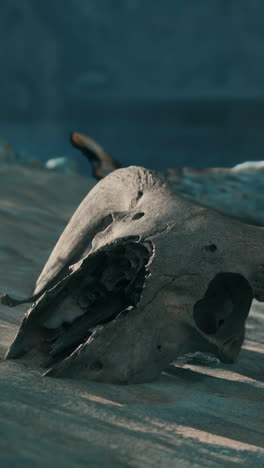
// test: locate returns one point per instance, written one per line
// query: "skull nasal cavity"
(138, 215)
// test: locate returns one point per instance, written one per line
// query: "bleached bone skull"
(163, 277)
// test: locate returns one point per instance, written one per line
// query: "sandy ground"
(199, 412)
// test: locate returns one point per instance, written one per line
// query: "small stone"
(62, 164)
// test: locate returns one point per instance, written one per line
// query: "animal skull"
(163, 276)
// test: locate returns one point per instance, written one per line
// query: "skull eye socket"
(228, 298)
(138, 215)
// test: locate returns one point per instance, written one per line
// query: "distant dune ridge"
(199, 413)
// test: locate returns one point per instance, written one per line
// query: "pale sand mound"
(199, 413)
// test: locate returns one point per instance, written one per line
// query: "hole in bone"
(112, 283)
(66, 311)
(140, 194)
(138, 216)
(211, 248)
(96, 365)
(225, 305)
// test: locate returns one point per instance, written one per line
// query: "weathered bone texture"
(152, 276)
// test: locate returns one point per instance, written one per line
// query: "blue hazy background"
(158, 83)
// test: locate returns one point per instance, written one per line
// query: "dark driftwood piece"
(102, 163)
(152, 276)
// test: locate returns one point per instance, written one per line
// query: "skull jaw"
(131, 349)
(127, 352)
(121, 352)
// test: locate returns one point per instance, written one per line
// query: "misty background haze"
(158, 83)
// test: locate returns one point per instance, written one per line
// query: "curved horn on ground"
(102, 163)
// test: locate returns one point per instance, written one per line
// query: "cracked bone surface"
(153, 276)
